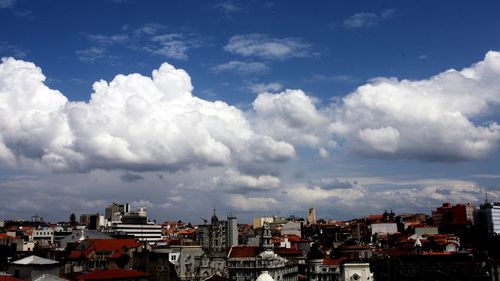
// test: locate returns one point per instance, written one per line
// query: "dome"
(264, 276)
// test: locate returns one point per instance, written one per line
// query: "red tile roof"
(5, 236)
(330, 261)
(375, 217)
(113, 274)
(114, 246)
(286, 252)
(244, 252)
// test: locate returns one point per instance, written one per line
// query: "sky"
(251, 108)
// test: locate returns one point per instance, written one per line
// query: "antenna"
(204, 220)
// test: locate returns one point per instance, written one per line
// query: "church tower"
(265, 238)
(215, 235)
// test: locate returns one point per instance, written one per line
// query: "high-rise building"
(489, 217)
(115, 211)
(447, 215)
(232, 231)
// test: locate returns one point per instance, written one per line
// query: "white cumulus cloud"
(431, 119)
(443, 118)
(134, 123)
(293, 116)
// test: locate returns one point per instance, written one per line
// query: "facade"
(160, 265)
(223, 232)
(323, 269)
(43, 235)
(245, 263)
(356, 272)
(447, 215)
(115, 211)
(489, 217)
(148, 232)
(384, 228)
(232, 231)
(259, 221)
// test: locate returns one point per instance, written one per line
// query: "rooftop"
(34, 260)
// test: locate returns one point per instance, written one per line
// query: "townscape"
(259, 140)
(457, 242)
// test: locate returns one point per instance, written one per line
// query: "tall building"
(448, 215)
(115, 211)
(311, 216)
(232, 231)
(489, 217)
(122, 220)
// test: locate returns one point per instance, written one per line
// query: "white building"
(45, 234)
(489, 216)
(356, 272)
(149, 232)
(384, 228)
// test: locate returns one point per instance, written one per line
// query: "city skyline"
(248, 108)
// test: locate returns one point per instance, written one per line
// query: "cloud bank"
(443, 118)
(140, 123)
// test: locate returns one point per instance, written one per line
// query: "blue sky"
(371, 114)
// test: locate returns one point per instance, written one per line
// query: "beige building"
(311, 216)
(259, 221)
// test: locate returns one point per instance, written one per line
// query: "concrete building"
(122, 221)
(259, 221)
(42, 235)
(232, 231)
(32, 267)
(447, 215)
(383, 228)
(144, 232)
(489, 217)
(115, 211)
